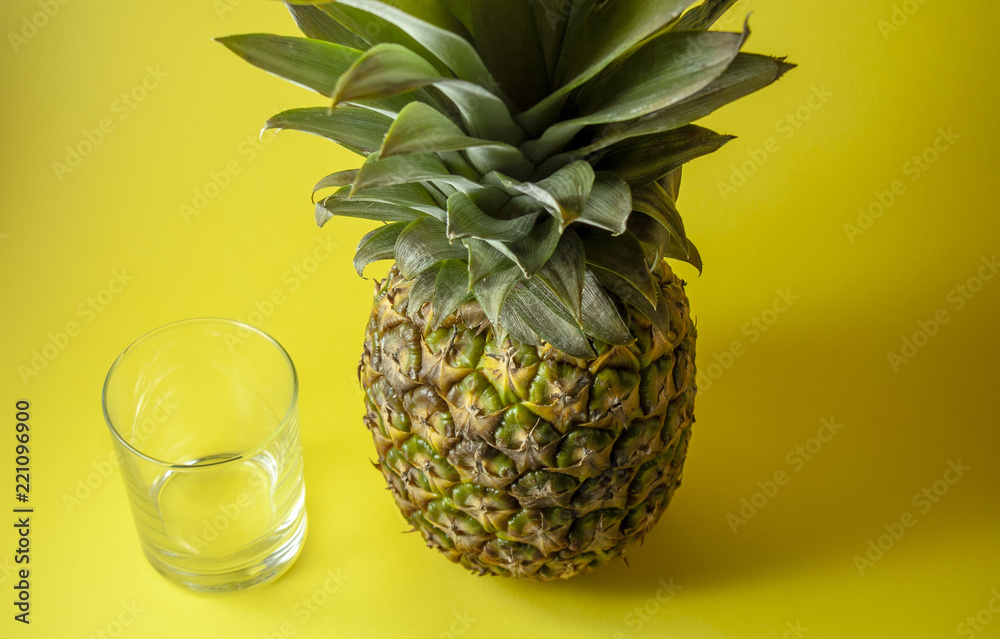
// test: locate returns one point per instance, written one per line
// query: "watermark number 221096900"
(22, 513)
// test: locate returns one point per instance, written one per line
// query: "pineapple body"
(520, 460)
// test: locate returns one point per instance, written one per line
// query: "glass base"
(259, 573)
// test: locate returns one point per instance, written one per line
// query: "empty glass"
(204, 417)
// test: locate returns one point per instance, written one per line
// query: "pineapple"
(529, 363)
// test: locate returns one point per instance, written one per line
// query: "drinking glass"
(203, 414)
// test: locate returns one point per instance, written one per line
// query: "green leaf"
(383, 71)
(544, 319)
(564, 193)
(378, 31)
(414, 196)
(458, 165)
(659, 73)
(422, 289)
(646, 159)
(436, 12)
(552, 303)
(509, 321)
(492, 291)
(465, 219)
(656, 312)
(356, 129)
(518, 204)
(312, 64)
(333, 206)
(518, 63)
(483, 113)
(420, 128)
(563, 273)
(378, 245)
(653, 201)
(653, 236)
(703, 16)
(317, 24)
(693, 257)
(322, 216)
(609, 205)
(597, 34)
(407, 169)
(335, 180)
(661, 318)
(500, 158)
(746, 74)
(440, 192)
(451, 289)
(551, 17)
(621, 255)
(484, 260)
(671, 183)
(452, 50)
(423, 244)
(535, 249)
(460, 9)
(403, 169)
(388, 69)
(600, 317)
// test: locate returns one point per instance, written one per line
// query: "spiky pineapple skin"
(519, 460)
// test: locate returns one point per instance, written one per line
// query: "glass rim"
(265, 442)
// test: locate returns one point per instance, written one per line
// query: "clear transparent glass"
(204, 417)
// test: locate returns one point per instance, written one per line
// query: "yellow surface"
(881, 96)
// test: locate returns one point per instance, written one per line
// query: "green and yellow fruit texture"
(529, 362)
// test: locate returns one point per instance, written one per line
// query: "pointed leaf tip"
(322, 215)
(784, 67)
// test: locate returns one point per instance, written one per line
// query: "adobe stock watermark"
(977, 623)
(127, 615)
(956, 299)
(753, 330)
(899, 17)
(223, 8)
(923, 502)
(219, 180)
(734, 17)
(557, 11)
(641, 615)
(86, 486)
(786, 128)
(31, 25)
(461, 624)
(796, 459)
(913, 169)
(292, 280)
(794, 630)
(226, 515)
(121, 109)
(7, 568)
(87, 311)
(304, 609)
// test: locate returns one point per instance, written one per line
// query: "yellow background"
(791, 567)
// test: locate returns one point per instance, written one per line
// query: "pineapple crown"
(525, 153)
